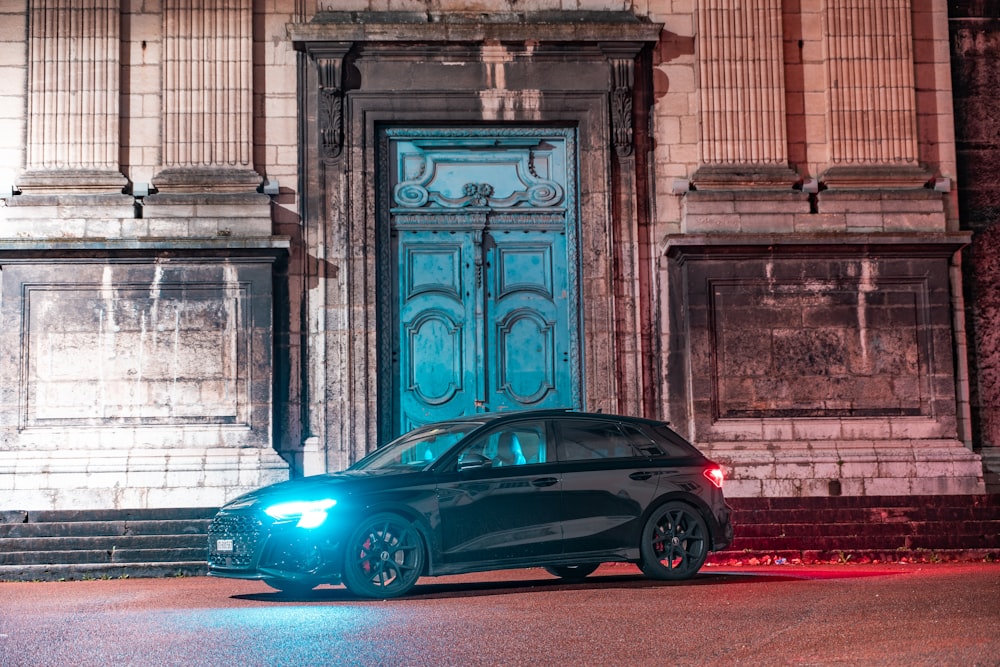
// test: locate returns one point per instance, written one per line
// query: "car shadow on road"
(428, 589)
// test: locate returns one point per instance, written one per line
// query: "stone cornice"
(543, 27)
(9, 248)
(935, 242)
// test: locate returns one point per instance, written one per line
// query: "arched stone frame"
(365, 75)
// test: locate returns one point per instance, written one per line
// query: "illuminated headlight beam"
(310, 513)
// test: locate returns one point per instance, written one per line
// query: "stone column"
(871, 98)
(330, 335)
(73, 138)
(742, 95)
(975, 41)
(207, 96)
(630, 223)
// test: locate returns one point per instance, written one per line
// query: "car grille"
(245, 532)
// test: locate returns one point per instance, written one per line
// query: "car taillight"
(715, 476)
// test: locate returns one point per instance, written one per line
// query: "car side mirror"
(473, 461)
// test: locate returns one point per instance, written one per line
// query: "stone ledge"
(746, 178)
(207, 182)
(145, 244)
(87, 182)
(681, 243)
(599, 27)
(875, 176)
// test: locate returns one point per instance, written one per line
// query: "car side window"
(641, 442)
(672, 444)
(582, 440)
(522, 443)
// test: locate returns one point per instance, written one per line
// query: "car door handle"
(641, 476)
(544, 481)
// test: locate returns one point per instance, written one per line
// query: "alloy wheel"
(674, 542)
(384, 557)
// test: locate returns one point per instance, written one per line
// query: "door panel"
(482, 235)
(436, 358)
(531, 333)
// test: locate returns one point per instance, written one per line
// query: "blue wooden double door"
(483, 276)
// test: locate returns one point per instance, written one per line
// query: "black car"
(559, 489)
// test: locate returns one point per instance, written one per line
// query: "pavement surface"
(898, 614)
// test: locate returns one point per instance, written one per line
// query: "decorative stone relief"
(331, 107)
(623, 78)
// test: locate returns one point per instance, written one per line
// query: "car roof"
(518, 415)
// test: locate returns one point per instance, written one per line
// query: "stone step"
(853, 516)
(101, 543)
(104, 528)
(80, 571)
(749, 530)
(856, 542)
(975, 504)
(99, 556)
(73, 544)
(55, 516)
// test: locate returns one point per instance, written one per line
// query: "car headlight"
(310, 513)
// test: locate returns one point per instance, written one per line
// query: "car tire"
(383, 557)
(572, 572)
(674, 542)
(291, 587)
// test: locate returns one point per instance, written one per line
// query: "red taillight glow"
(715, 476)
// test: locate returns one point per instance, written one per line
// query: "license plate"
(223, 545)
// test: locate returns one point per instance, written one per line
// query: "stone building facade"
(242, 240)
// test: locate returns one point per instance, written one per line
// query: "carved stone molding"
(463, 27)
(520, 176)
(329, 60)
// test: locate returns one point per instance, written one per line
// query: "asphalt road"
(931, 614)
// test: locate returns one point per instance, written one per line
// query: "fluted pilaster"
(207, 94)
(73, 132)
(871, 96)
(742, 93)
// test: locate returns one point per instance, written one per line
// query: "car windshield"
(418, 449)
